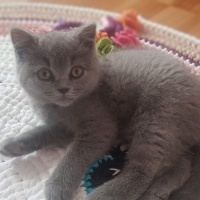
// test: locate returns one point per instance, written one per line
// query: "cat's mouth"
(64, 101)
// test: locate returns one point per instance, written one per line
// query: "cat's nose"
(63, 90)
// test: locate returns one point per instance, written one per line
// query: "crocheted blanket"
(23, 177)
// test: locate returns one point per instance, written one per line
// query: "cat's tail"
(191, 190)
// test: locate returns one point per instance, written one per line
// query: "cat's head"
(57, 67)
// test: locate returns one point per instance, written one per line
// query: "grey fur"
(140, 97)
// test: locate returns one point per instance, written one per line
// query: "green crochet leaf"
(104, 46)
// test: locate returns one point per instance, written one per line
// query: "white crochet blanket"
(23, 177)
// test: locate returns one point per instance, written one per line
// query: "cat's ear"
(23, 41)
(87, 35)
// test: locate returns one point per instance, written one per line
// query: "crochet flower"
(129, 19)
(126, 37)
(109, 25)
(100, 35)
(65, 25)
(104, 46)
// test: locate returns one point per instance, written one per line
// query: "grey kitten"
(140, 97)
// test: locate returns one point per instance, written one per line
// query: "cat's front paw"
(54, 191)
(12, 148)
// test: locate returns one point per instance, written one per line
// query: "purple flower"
(110, 25)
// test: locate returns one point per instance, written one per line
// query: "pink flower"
(126, 37)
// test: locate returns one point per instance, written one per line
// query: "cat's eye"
(45, 75)
(77, 72)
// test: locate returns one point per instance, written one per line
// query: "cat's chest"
(68, 116)
(54, 115)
